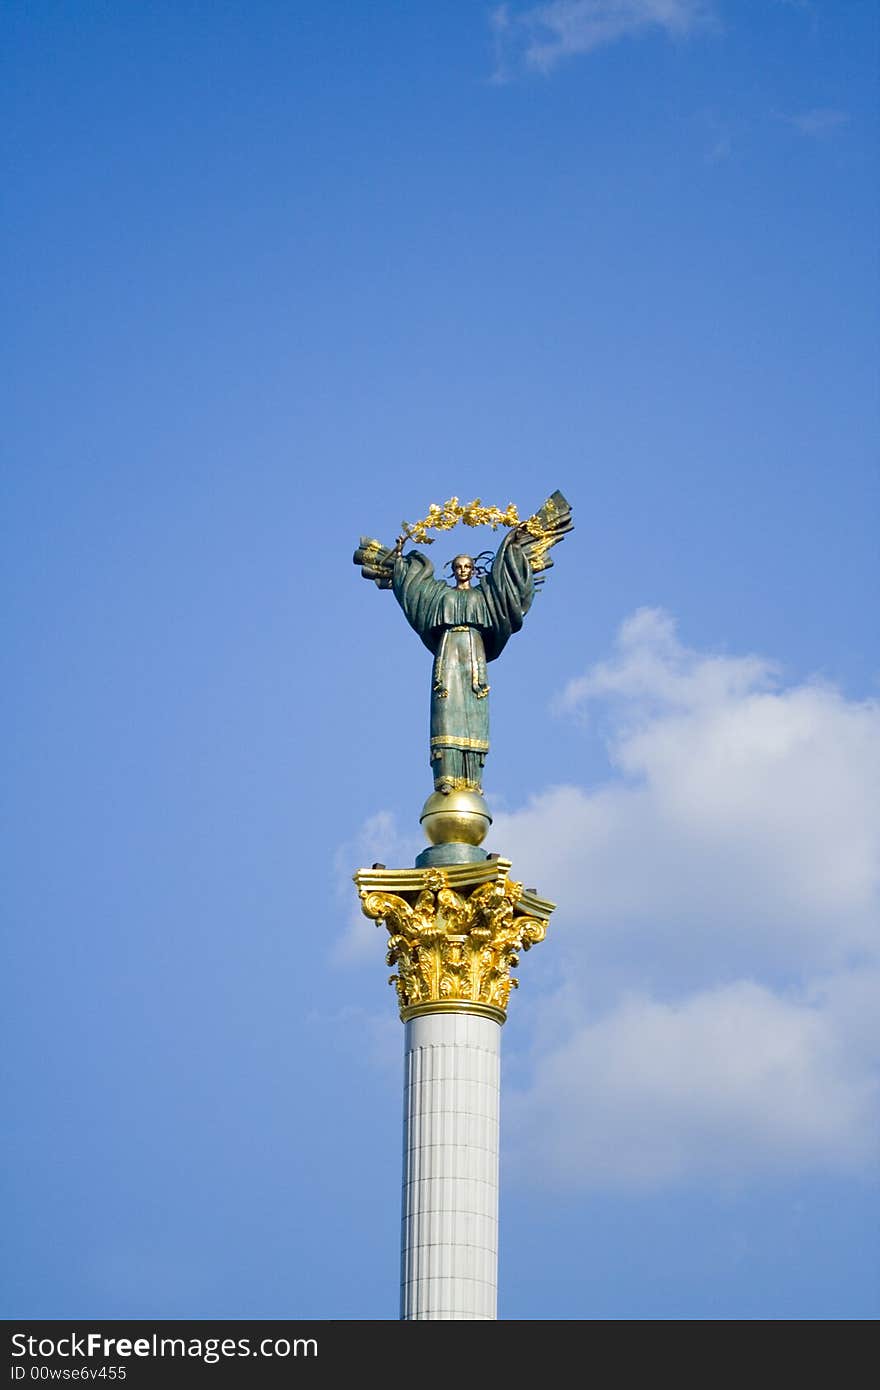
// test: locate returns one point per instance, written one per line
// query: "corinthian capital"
(454, 934)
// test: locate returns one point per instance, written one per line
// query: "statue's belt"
(477, 745)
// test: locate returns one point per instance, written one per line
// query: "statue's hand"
(376, 561)
(536, 537)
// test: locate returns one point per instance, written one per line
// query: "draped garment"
(464, 629)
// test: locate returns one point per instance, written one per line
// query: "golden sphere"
(457, 817)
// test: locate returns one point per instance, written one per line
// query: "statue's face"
(463, 569)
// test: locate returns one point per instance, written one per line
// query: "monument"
(456, 919)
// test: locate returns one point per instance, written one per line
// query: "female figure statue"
(465, 627)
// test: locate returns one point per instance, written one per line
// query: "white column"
(449, 1237)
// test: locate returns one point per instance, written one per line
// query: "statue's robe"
(465, 629)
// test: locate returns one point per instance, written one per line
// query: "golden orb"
(456, 817)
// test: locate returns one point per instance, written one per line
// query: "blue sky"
(279, 276)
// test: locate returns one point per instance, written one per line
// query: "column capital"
(454, 933)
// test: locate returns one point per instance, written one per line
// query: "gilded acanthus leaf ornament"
(454, 946)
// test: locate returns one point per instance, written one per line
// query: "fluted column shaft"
(449, 1237)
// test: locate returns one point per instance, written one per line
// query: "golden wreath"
(445, 517)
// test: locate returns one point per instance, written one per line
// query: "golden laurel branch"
(445, 517)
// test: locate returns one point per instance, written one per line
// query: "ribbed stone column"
(449, 1236)
(455, 931)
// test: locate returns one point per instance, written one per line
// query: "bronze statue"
(467, 625)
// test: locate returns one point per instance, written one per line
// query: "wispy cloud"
(818, 121)
(721, 149)
(721, 134)
(543, 35)
(809, 8)
(379, 841)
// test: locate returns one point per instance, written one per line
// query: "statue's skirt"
(459, 708)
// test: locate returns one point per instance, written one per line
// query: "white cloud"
(541, 36)
(718, 926)
(741, 832)
(378, 841)
(727, 1084)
